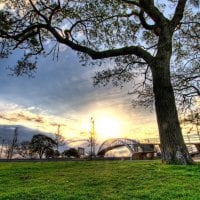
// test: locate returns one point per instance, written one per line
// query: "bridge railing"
(150, 141)
(189, 139)
(194, 139)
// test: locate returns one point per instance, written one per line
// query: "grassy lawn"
(94, 180)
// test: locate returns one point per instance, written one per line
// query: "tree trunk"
(174, 150)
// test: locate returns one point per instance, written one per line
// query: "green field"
(98, 180)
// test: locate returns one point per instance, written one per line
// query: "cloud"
(24, 133)
(58, 86)
(25, 117)
(55, 85)
(13, 119)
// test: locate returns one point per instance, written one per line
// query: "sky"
(62, 92)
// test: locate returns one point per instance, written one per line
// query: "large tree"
(137, 35)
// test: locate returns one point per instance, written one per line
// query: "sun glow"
(2, 5)
(115, 123)
(104, 127)
(107, 127)
(108, 123)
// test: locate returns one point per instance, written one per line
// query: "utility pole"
(60, 140)
(58, 136)
(92, 137)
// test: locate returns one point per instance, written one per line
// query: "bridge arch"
(108, 145)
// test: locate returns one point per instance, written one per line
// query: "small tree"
(23, 149)
(13, 144)
(72, 152)
(41, 143)
(51, 153)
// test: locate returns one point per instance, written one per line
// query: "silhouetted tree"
(72, 152)
(51, 153)
(41, 143)
(13, 144)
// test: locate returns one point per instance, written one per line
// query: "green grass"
(83, 180)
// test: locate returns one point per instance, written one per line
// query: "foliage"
(40, 144)
(109, 180)
(72, 152)
(51, 153)
(104, 25)
(186, 67)
(192, 119)
(96, 29)
(56, 153)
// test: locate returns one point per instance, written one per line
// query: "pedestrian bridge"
(132, 145)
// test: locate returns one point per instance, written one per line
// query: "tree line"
(40, 146)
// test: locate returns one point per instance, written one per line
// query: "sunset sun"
(107, 127)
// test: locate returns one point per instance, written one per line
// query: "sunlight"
(1, 5)
(112, 123)
(108, 123)
(107, 127)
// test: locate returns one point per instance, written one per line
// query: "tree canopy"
(40, 144)
(71, 152)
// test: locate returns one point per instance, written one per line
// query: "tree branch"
(129, 50)
(153, 12)
(149, 7)
(178, 15)
(144, 23)
(131, 2)
(38, 12)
